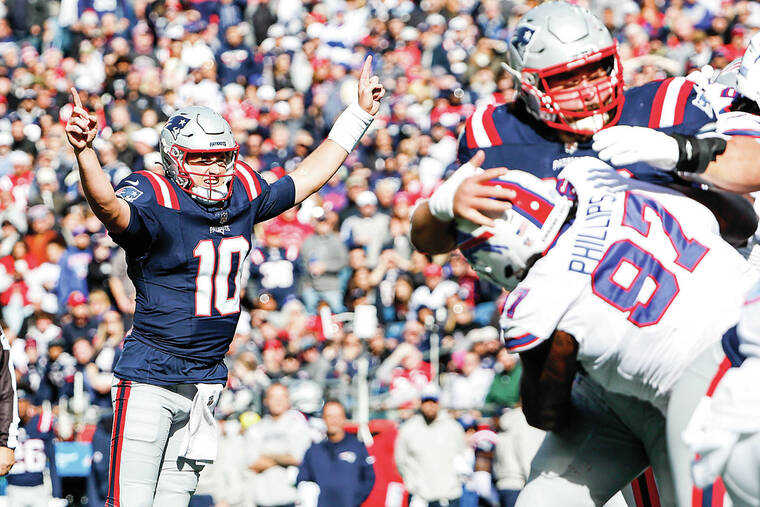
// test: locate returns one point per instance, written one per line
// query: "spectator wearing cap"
(434, 293)
(323, 256)
(276, 446)
(74, 264)
(78, 321)
(42, 330)
(369, 229)
(339, 466)
(426, 449)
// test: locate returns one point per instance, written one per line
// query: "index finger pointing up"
(75, 94)
(366, 69)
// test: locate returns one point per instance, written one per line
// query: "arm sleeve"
(275, 198)
(366, 475)
(9, 419)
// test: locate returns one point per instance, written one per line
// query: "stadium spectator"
(276, 446)
(426, 449)
(339, 465)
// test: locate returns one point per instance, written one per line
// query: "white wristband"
(441, 203)
(350, 127)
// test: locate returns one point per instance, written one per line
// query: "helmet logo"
(176, 124)
(521, 39)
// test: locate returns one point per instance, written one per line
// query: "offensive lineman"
(642, 261)
(187, 234)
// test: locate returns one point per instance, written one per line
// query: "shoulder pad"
(249, 178)
(480, 129)
(148, 184)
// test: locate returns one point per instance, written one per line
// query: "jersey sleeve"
(535, 307)
(674, 105)
(267, 200)
(482, 130)
(139, 193)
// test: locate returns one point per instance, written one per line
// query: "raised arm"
(316, 169)
(80, 131)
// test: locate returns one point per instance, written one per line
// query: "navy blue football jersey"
(511, 138)
(35, 451)
(185, 261)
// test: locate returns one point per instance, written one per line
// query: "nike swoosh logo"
(135, 182)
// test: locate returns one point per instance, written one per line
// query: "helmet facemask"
(215, 188)
(581, 96)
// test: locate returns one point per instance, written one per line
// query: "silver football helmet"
(567, 68)
(198, 129)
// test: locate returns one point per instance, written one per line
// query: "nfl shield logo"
(223, 217)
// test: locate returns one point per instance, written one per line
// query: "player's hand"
(82, 126)
(370, 89)
(701, 77)
(475, 199)
(623, 145)
(7, 459)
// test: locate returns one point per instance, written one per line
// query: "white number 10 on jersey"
(214, 269)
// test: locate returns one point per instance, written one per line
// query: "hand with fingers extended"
(370, 89)
(476, 200)
(82, 126)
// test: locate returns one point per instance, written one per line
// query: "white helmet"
(504, 253)
(198, 129)
(557, 40)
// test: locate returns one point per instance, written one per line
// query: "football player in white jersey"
(633, 285)
(719, 395)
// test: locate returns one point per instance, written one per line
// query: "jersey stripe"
(659, 98)
(468, 133)
(488, 124)
(165, 194)
(249, 179)
(742, 132)
(479, 130)
(520, 342)
(670, 102)
(683, 96)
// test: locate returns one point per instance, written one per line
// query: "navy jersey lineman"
(187, 234)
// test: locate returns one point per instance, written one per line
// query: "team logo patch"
(176, 124)
(129, 194)
(347, 456)
(521, 39)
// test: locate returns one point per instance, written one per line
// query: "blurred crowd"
(335, 296)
